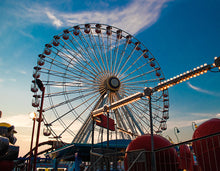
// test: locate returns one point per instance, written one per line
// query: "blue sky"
(181, 34)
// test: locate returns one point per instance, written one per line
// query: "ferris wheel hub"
(113, 83)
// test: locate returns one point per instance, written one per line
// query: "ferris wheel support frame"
(149, 91)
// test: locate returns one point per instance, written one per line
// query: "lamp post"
(176, 131)
(171, 141)
(42, 88)
(194, 126)
(148, 92)
(33, 117)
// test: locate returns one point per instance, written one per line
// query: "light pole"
(42, 88)
(148, 92)
(171, 141)
(33, 117)
(194, 126)
(176, 131)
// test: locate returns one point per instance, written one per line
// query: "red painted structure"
(165, 160)
(207, 150)
(104, 122)
(186, 157)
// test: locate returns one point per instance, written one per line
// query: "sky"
(181, 34)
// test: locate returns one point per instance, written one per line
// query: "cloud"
(132, 17)
(182, 123)
(18, 120)
(201, 90)
(218, 115)
(26, 34)
(22, 72)
(55, 21)
(202, 114)
(188, 123)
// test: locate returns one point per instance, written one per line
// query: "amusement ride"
(99, 85)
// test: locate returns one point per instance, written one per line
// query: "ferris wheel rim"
(113, 82)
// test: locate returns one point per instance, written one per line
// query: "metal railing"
(201, 154)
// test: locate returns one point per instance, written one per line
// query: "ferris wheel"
(92, 65)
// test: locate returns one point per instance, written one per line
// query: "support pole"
(32, 137)
(107, 130)
(148, 92)
(153, 161)
(38, 129)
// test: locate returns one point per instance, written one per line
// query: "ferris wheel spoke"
(135, 70)
(71, 100)
(79, 116)
(68, 76)
(101, 47)
(116, 54)
(142, 103)
(109, 45)
(84, 129)
(81, 55)
(86, 50)
(59, 118)
(69, 92)
(105, 53)
(121, 56)
(75, 57)
(129, 115)
(91, 39)
(127, 59)
(138, 76)
(129, 119)
(131, 65)
(123, 120)
(143, 106)
(61, 83)
(140, 118)
(119, 122)
(71, 85)
(143, 81)
(65, 67)
(134, 89)
(92, 49)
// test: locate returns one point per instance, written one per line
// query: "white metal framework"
(89, 66)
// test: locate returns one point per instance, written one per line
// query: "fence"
(201, 154)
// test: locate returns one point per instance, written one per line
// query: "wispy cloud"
(55, 20)
(207, 115)
(132, 17)
(185, 123)
(182, 123)
(22, 72)
(202, 90)
(26, 34)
